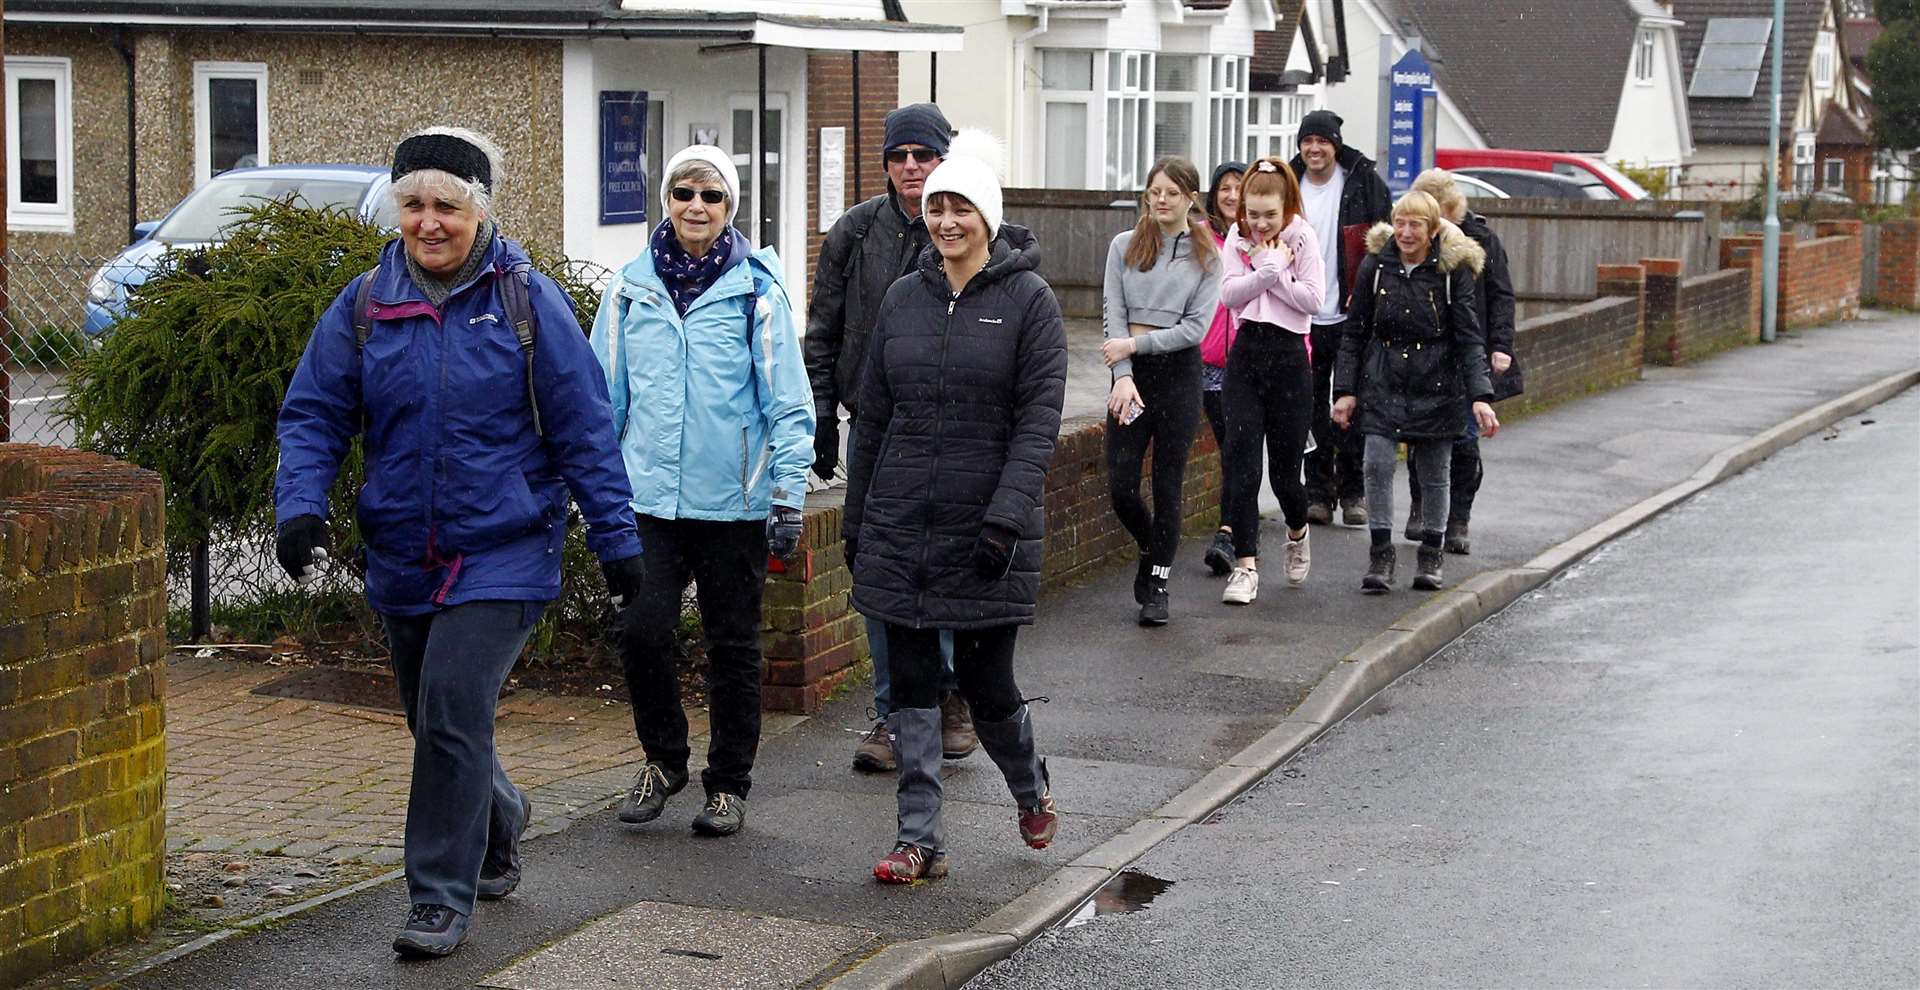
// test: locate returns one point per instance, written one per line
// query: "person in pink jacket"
(1272, 285)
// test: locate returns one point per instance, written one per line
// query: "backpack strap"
(514, 296)
(362, 323)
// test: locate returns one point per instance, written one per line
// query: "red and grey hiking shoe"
(1039, 823)
(908, 862)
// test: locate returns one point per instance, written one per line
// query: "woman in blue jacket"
(474, 436)
(715, 417)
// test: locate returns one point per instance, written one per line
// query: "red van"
(1573, 166)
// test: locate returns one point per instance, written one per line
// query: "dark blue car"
(201, 218)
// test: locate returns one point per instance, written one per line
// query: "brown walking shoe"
(957, 738)
(875, 752)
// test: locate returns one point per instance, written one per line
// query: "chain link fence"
(42, 334)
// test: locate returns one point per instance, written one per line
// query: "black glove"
(783, 532)
(624, 577)
(850, 548)
(302, 548)
(826, 446)
(993, 551)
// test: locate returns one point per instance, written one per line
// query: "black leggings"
(1268, 397)
(1217, 418)
(982, 662)
(1169, 387)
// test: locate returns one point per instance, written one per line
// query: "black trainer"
(652, 786)
(498, 879)
(1380, 564)
(1154, 611)
(432, 931)
(1219, 558)
(724, 815)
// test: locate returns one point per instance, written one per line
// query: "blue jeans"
(883, 682)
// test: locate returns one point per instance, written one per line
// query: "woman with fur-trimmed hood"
(1411, 360)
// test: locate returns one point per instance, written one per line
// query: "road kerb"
(1380, 661)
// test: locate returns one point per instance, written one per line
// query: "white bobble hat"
(971, 169)
(710, 155)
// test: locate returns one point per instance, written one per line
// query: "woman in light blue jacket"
(715, 418)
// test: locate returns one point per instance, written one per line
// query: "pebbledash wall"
(82, 677)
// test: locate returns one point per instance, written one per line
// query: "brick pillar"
(811, 637)
(1664, 317)
(1899, 262)
(1629, 281)
(1837, 228)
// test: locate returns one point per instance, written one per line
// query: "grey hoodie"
(1176, 294)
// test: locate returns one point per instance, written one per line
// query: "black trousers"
(1465, 477)
(1169, 387)
(1268, 399)
(1334, 473)
(1217, 418)
(728, 564)
(982, 661)
(462, 811)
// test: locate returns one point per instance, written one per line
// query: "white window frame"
(1823, 60)
(1829, 180)
(1096, 137)
(1226, 111)
(783, 160)
(1132, 93)
(1280, 125)
(1803, 147)
(1196, 100)
(56, 217)
(1643, 57)
(203, 75)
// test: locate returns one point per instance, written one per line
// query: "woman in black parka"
(959, 411)
(1412, 359)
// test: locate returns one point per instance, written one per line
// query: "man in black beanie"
(1343, 196)
(869, 247)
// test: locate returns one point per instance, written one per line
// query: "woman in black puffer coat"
(959, 411)
(1412, 360)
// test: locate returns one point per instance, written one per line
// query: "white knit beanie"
(710, 155)
(971, 169)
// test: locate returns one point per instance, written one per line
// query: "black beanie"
(1321, 123)
(444, 152)
(1221, 171)
(918, 123)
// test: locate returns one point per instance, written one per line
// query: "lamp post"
(1770, 244)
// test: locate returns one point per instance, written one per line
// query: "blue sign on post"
(1410, 121)
(623, 157)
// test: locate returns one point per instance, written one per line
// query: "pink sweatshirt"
(1268, 292)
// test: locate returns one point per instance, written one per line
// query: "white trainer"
(1299, 559)
(1242, 586)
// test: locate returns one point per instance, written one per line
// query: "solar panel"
(1730, 57)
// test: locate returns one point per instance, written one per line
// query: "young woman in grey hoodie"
(1162, 286)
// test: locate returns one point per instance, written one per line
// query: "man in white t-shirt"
(1343, 196)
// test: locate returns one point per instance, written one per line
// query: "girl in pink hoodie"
(1272, 285)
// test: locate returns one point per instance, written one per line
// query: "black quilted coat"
(959, 411)
(1414, 353)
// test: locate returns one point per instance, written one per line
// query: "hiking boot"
(652, 786)
(1380, 564)
(1219, 558)
(1426, 576)
(1010, 744)
(1040, 822)
(1414, 532)
(957, 738)
(1320, 514)
(432, 930)
(1141, 579)
(1457, 540)
(875, 752)
(1242, 587)
(497, 880)
(1299, 558)
(1353, 512)
(1154, 611)
(724, 815)
(908, 862)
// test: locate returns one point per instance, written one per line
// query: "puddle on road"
(1127, 892)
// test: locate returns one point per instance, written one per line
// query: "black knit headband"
(444, 152)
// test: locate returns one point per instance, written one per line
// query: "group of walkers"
(683, 427)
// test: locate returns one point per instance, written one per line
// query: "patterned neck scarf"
(685, 276)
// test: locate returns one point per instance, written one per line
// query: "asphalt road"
(1690, 761)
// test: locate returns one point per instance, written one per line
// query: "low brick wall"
(814, 642)
(1897, 278)
(82, 675)
(1819, 278)
(1690, 318)
(1584, 349)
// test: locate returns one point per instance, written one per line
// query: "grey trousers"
(1431, 460)
(450, 666)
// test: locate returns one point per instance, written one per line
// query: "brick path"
(314, 779)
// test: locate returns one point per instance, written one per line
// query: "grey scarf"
(436, 289)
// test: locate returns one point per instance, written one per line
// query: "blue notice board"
(1410, 121)
(623, 156)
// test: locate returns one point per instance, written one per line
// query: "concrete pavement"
(1137, 718)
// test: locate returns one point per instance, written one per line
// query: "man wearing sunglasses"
(870, 247)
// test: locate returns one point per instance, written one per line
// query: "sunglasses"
(921, 155)
(711, 197)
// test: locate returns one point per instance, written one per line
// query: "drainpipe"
(1770, 241)
(760, 159)
(133, 174)
(1017, 138)
(854, 155)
